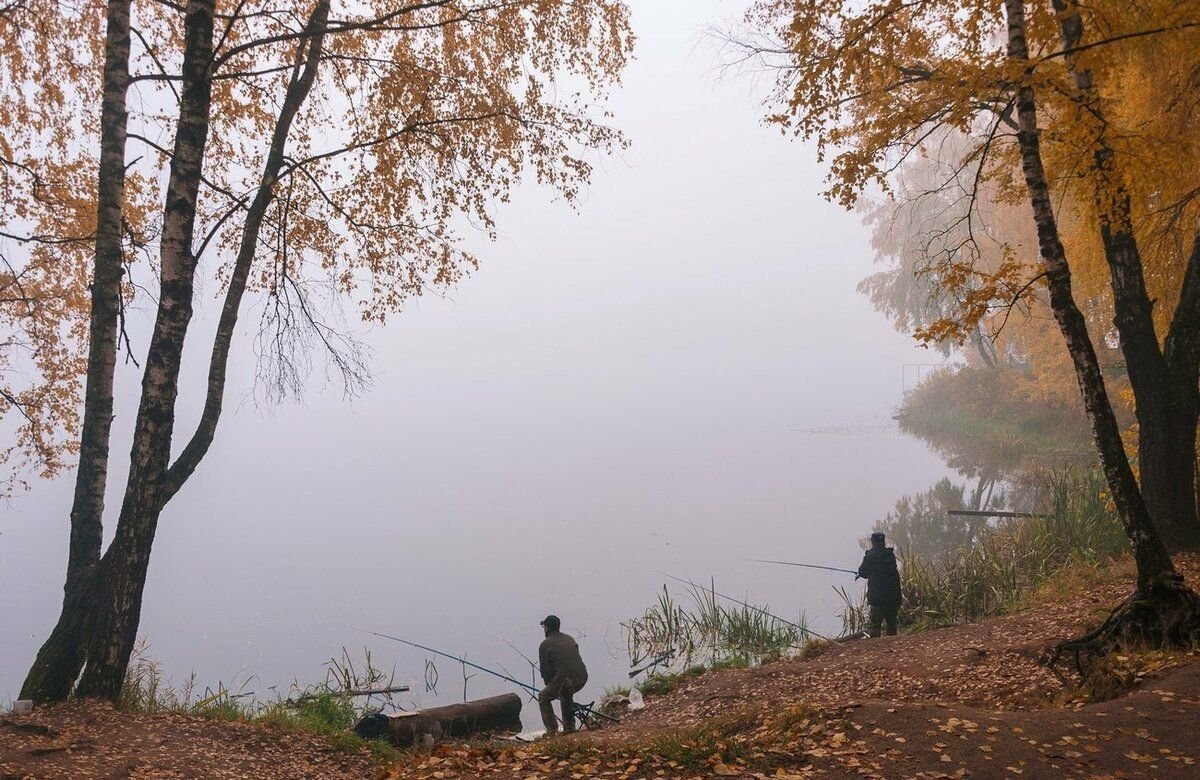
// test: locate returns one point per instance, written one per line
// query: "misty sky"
(679, 377)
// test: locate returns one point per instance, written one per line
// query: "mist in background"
(677, 378)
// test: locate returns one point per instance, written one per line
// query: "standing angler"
(564, 674)
(883, 585)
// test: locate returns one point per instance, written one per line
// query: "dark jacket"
(559, 654)
(883, 578)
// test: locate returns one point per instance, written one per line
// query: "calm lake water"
(676, 378)
(278, 600)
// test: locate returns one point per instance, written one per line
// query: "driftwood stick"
(376, 691)
(354, 692)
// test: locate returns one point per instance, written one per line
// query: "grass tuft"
(696, 749)
(661, 683)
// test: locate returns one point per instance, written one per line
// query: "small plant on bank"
(741, 661)
(614, 702)
(853, 613)
(147, 690)
(661, 683)
(695, 749)
(813, 648)
(1109, 676)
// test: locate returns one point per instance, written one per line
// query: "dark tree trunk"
(102, 609)
(496, 713)
(1162, 610)
(1164, 393)
(1182, 350)
(122, 573)
(1167, 458)
(60, 659)
(118, 585)
(1153, 562)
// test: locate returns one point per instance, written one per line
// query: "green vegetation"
(1008, 560)
(326, 708)
(739, 661)
(813, 648)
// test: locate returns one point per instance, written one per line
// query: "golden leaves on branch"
(424, 117)
(48, 57)
(915, 100)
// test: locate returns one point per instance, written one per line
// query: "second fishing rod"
(807, 566)
(453, 657)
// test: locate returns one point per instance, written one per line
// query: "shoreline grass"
(708, 635)
(326, 708)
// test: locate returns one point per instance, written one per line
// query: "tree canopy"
(422, 117)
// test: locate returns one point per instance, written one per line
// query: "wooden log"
(497, 713)
(411, 728)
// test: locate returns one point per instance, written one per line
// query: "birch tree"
(1039, 87)
(296, 154)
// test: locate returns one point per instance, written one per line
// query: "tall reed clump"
(708, 632)
(1010, 559)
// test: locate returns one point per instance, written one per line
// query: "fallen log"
(497, 713)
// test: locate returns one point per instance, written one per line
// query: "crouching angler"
(563, 673)
(883, 586)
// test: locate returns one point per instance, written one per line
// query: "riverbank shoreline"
(973, 700)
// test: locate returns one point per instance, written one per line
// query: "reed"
(1009, 560)
(708, 632)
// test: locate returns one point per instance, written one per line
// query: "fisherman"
(564, 674)
(883, 585)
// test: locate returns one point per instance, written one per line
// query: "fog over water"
(677, 378)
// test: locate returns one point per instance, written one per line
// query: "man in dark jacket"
(564, 674)
(883, 585)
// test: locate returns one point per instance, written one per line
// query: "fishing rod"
(443, 654)
(760, 610)
(588, 708)
(808, 566)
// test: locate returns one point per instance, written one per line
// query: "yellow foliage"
(423, 117)
(47, 183)
(916, 99)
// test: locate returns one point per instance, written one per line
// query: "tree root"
(1166, 614)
